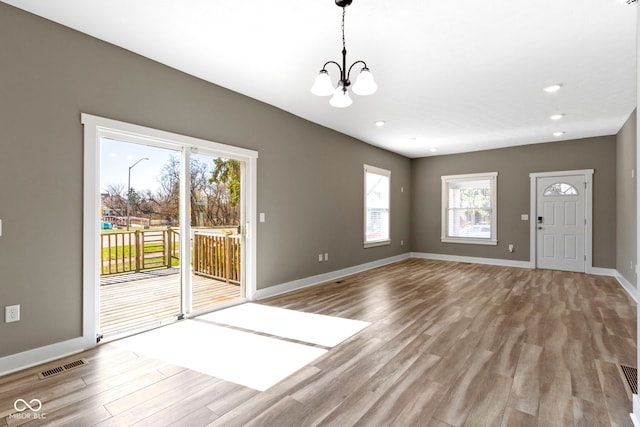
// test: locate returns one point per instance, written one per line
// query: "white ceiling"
(454, 76)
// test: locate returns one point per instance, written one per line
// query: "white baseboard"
(627, 286)
(472, 260)
(325, 277)
(599, 271)
(19, 361)
(635, 415)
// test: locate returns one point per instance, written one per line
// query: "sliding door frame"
(95, 128)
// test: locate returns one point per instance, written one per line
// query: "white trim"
(533, 208)
(472, 260)
(385, 173)
(469, 176)
(37, 356)
(97, 127)
(250, 229)
(588, 213)
(626, 285)
(184, 223)
(377, 171)
(636, 410)
(562, 173)
(91, 223)
(325, 277)
(469, 241)
(375, 243)
(137, 133)
(446, 179)
(600, 271)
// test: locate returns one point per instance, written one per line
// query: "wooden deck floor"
(131, 299)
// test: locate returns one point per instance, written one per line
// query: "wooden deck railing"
(127, 251)
(214, 255)
(217, 256)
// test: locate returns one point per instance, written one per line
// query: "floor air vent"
(62, 368)
(631, 375)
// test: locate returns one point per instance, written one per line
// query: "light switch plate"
(524, 217)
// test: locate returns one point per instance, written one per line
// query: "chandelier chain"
(344, 43)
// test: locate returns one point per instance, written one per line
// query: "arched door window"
(561, 189)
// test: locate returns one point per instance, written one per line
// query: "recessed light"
(433, 150)
(556, 116)
(552, 88)
(559, 133)
(380, 123)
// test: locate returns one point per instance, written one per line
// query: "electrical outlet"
(510, 248)
(11, 313)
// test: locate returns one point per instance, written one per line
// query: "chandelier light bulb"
(341, 98)
(322, 86)
(365, 84)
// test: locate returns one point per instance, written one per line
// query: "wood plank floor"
(450, 344)
(131, 299)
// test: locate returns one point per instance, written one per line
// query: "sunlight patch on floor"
(243, 357)
(240, 357)
(327, 331)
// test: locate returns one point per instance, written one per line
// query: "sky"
(117, 156)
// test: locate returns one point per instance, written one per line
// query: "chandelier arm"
(324, 67)
(353, 65)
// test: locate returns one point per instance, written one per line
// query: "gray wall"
(310, 179)
(514, 166)
(626, 190)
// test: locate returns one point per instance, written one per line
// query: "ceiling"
(453, 76)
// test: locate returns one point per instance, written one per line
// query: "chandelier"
(364, 85)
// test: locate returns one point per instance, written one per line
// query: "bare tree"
(167, 197)
(214, 194)
(114, 202)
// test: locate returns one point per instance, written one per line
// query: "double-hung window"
(469, 208)
(376, 206)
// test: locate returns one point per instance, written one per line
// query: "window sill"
(377, 243)
(469, 241)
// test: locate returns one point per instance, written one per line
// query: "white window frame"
(493, 178)
(386, 240)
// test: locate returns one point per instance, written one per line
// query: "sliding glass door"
(171, 236)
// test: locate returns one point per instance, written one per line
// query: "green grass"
(116, 255)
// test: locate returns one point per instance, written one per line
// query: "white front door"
(561, 222)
